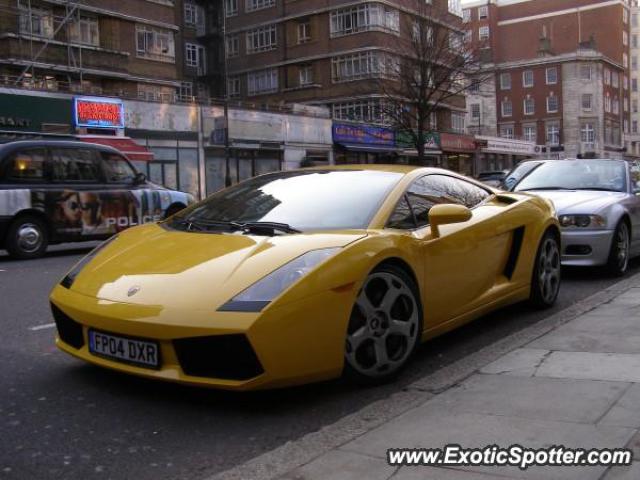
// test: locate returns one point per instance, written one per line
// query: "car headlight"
(70, 277)
(261, 293)
(583, 221)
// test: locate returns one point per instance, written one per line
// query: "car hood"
(579, 201)
(192, 270)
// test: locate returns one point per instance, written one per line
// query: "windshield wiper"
(544, 188)
(266, 227)
(598, 189)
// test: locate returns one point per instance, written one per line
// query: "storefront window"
(188, 165)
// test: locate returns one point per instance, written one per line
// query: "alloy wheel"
(549, 270)
(29, 237)
(384, 326)
(622, 246)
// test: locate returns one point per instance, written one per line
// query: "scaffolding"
(28, 14)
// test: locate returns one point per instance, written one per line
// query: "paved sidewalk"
(577, 385)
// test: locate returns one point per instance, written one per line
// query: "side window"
(402, 216)
(26, 165)
(422, 195)
(117, 169)
(472, 195)
(73, 165)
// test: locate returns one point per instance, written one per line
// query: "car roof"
(11, 146)
(549, 160)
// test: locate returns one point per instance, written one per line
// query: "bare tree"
(426, 71)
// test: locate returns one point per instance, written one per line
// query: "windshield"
(605, 175)
(303, 200)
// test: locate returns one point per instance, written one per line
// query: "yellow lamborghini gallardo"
(299, 276)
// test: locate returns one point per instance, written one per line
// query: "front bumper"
(588, 248)
(296, 343)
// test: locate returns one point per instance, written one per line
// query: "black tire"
(173, 209)
(618, 261)
(27, 237)
(393, 328)
(546, 277)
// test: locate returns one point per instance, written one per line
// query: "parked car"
(493, 179)
(62, 191)
(598, 204)
(296, 276)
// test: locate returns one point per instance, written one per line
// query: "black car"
(55, 191)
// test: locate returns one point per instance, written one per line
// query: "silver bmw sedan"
(597, 202)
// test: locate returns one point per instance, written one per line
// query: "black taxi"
(54, 191)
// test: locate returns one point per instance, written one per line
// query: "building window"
(368, 16)
(155, 43)
(305, 75)
(193, 14)
(185, 91)
(527, 78)
(367, 110)
(262, 39)
(529, 133)
(552, 75)
(85, 30)
(552, 104)
(587, 133)
(634, 41)
(634, 106)
(625, 38)
(233, 87)
(553, 134)
(634, 126)
(607, 103)
(364, 65)
(466, 15)
(626, 104)
(625, 60)
(587, 102)
(616, 106)
(634, 84)
(585, 71)
(507, 132)
(230, 7)
(194, 55)
(615, 80)
(507, 108)
(474, 86)
(529, 106)
(232, 45)
(483, 33)
(304, 31)
(483, 12)
(625, 15)
(634, 62)
(457, 122)
(625, 83)
(253, 5)
(37, 21)
(475, 111)
(607, 76)
(505, 81)
(468, 36)
(263, 81)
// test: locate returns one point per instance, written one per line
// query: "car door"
(127, 203)
(74, 176)
(463, 263)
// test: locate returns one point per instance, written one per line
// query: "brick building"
(560, 74)
(323, 53)
(633, 137)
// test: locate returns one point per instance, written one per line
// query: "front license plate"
(127, 350)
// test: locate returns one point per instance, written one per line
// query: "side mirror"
(446, 215)
(140, 178)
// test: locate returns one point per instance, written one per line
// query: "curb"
(294, 454)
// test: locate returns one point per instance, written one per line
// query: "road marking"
(42, 327)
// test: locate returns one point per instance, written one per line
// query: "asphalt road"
(60, 418)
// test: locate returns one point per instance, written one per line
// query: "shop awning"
(125, 144)
(357, 147)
